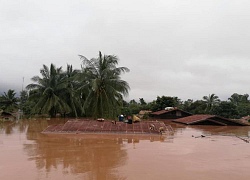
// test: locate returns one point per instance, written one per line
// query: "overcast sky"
(183, 48)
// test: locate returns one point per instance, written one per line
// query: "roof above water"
(201, 118)
(92, 126)
(167, 111)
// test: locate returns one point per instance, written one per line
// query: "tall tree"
(195, 107)
(72, 95)
(238, 98)
(23, 98)
(142, 101)
(101, 78)
(241, 102)
(9, 101)
(226, 109)
(211, 100)
(49, 90)
(165, 101)
(187, 104)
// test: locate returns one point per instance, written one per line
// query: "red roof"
(195, 119)
(92, 126)
(166, 111)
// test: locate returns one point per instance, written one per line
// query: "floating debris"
(245, 140)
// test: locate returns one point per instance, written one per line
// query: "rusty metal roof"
(194, 118)
(201, 118)
(167, 111)
(93, 126)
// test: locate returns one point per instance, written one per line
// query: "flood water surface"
(26, 153)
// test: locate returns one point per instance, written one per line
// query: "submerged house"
(111, 127)
(204, 119)
(170, 113)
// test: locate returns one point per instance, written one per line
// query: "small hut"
(170, 113)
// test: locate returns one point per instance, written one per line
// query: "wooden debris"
(245, 140)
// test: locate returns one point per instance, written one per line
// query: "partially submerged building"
(111, 127)
(170, 113)
(204, 119)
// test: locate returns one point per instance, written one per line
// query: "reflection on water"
(34, 155)
(9, 127)
(95, 157)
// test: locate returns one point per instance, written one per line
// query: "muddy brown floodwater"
(27, 154)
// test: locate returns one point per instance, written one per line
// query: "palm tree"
(49, 91)
(72, 95)
(101, 79)
(211, 101)
(9, 101)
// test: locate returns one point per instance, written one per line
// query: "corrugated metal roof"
(167, 111)
(194, 119)
(92, 126)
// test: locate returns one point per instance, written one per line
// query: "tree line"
(94, 90)
(97, 90)
(236, 106)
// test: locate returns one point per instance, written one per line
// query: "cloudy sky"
(184, 48)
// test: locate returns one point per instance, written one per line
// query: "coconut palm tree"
(50, 91)
(101, 79)
(72, 95)
(9, 101)
(211, 101)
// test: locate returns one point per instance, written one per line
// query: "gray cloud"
(179, 48)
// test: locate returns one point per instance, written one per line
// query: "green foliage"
(50, 92)
(238, 98)
(237, 106)
(211, 101)
(196, 107)
(163, 102)
(134, 107)
(142, 101)
(9, 101)
(97, 90)
(226, 109)
(243, 109)
(186, 105)
(100, 78)
(23, 99)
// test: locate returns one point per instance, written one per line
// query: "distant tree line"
(237, 106)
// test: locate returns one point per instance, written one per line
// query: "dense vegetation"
(97, 90)
(236, 106)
